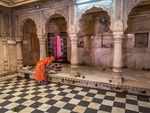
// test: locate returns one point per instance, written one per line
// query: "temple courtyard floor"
(76, 89)
(27, 96)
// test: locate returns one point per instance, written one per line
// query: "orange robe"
(40, 68)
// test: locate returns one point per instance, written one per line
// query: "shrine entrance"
(30, 44)
(57, 38)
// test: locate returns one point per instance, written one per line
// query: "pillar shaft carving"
(117, 60)
(117, 57)
(74, 48)
(42, 42)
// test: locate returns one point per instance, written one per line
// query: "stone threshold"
(78, 81)
(100, 85)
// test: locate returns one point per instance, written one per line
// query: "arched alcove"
(94, 21)
(58, 41)
(30, 45)
(95, 35)
(137, 42)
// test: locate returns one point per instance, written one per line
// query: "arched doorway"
(95, 37)
(30, 45)
(58, 40)
(138, 37)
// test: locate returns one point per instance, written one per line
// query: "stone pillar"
(5, 53)
(12, 55)
(117, 56)
(74, 49)
(42, 42)
(19, 54)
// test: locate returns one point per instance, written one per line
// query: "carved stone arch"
(53, 15)
(30, 41)
(102, 8)
(58, 12)
(22, 22)
(131, 4)
(94, 6)
(93, 10)
(57, 24)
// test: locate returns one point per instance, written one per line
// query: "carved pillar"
(74, 48)
(42, 42)
(12, 60)
(117, 59)
(5, 53)
(118, 35)
(19, 54)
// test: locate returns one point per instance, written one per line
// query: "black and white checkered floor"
(26, 96)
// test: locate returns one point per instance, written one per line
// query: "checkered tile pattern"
(27, 96)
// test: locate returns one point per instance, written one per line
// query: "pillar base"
(117, 78)
(117, 70)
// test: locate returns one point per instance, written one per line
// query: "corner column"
(5, 60)
(19, 54)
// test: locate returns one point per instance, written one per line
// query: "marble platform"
(134, 81)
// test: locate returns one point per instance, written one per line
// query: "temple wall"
(136, 57)
(100, 51)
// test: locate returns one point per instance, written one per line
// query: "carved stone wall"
(7, 44)
(100, 49)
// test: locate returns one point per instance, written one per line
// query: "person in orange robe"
(40, 69)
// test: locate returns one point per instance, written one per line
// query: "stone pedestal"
(19, 54)
(74, 49)
(42, 42)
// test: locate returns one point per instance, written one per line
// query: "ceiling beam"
(12, 3)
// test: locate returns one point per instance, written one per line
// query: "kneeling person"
(40, 69)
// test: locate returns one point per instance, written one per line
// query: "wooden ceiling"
(13, 3)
